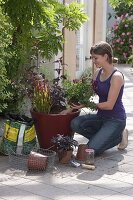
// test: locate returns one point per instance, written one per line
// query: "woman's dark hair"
(103, 48)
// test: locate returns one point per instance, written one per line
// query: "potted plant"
(65, 146)
(37, 32)
(80, 91)
(50, 98)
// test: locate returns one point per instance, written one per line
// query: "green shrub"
(4, 82)
(122, 39)
(130, 60)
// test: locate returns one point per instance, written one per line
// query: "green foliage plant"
(123, 9)
(57, 95)
(116, 3)
(37, 24)
(4, 81)
(36, 29)
(66, 143)
(4, 94)
(80, 91)
(130, 60)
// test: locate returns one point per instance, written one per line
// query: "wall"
(70, 51)
(94, 30)
(100, 20)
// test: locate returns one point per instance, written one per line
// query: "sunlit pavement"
(112, 178)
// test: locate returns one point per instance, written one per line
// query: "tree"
(116, 3)
(37, 28)
(4, 81)
(37, 23)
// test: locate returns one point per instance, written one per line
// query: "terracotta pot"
(49, 125)
(65, 156)
(81, 153)
(37, 161)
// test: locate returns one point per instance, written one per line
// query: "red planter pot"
(49, 125)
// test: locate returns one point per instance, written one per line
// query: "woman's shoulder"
(118, 73)
(117, 77)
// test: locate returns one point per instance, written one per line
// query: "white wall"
(85, 40)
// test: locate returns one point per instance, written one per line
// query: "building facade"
(77, 44)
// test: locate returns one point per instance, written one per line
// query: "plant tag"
(90, 167)
(74, 163)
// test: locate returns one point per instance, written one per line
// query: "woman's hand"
(72, 108)
(77, 106)
(64, 112)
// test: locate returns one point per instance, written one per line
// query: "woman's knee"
(75, 124)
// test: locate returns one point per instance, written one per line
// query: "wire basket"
(42, 162)
(17, 158)
(18, 161)
(50, 156)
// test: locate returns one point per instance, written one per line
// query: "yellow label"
(29, 134)
(11, 133)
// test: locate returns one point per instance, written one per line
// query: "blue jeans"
(103, 133)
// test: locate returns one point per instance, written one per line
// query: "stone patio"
(112, 178)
